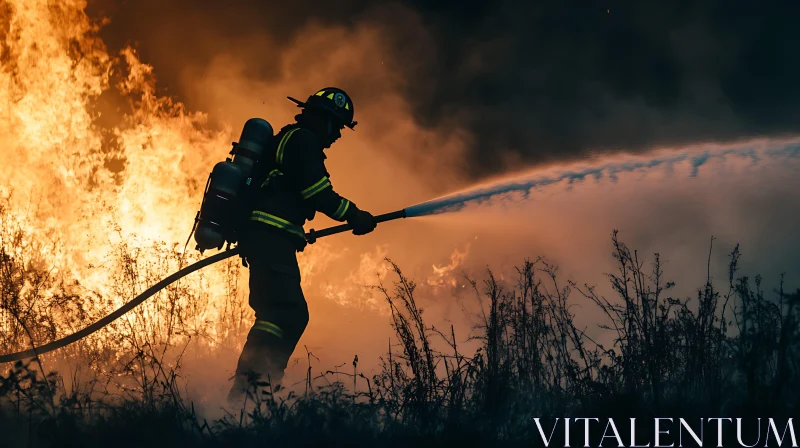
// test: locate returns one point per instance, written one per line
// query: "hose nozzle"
(312, 235)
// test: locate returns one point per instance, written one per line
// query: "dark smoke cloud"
(533, 81)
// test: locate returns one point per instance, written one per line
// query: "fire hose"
(311, 236)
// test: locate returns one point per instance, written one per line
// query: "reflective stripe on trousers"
(269, 327)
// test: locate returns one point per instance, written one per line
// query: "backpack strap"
(278, 158)
(282, 146)
(244, 150)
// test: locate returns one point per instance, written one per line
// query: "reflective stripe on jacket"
(297, 185)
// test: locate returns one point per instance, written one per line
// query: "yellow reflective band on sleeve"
(282, 146)
(269, 327)
(278, 222)
(316, 188)
(343, 206)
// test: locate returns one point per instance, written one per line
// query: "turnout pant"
(280, 307)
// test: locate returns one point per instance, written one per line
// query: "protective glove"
(362, 223)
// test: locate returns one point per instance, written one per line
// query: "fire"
(103, 178)
(443, 275)
(103, 191)
(355, 290)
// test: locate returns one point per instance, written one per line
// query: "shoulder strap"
(282, 146)
(278, 157)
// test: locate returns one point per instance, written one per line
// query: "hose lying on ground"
(36, 351)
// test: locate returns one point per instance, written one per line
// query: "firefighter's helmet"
(332, 101)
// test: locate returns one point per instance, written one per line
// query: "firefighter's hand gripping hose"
(36, 351)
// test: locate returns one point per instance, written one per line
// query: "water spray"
(526, 184)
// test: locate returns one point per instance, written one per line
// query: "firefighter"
(293, 185)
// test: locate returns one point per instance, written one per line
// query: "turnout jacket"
(293, 184)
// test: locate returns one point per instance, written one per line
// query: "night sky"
(545, 80)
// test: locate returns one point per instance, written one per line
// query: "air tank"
(256, 136)
(224, 206)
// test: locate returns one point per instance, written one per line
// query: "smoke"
(435, 111)
(388, 162)
(530, 82)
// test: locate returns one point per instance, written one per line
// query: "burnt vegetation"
(723, 352)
